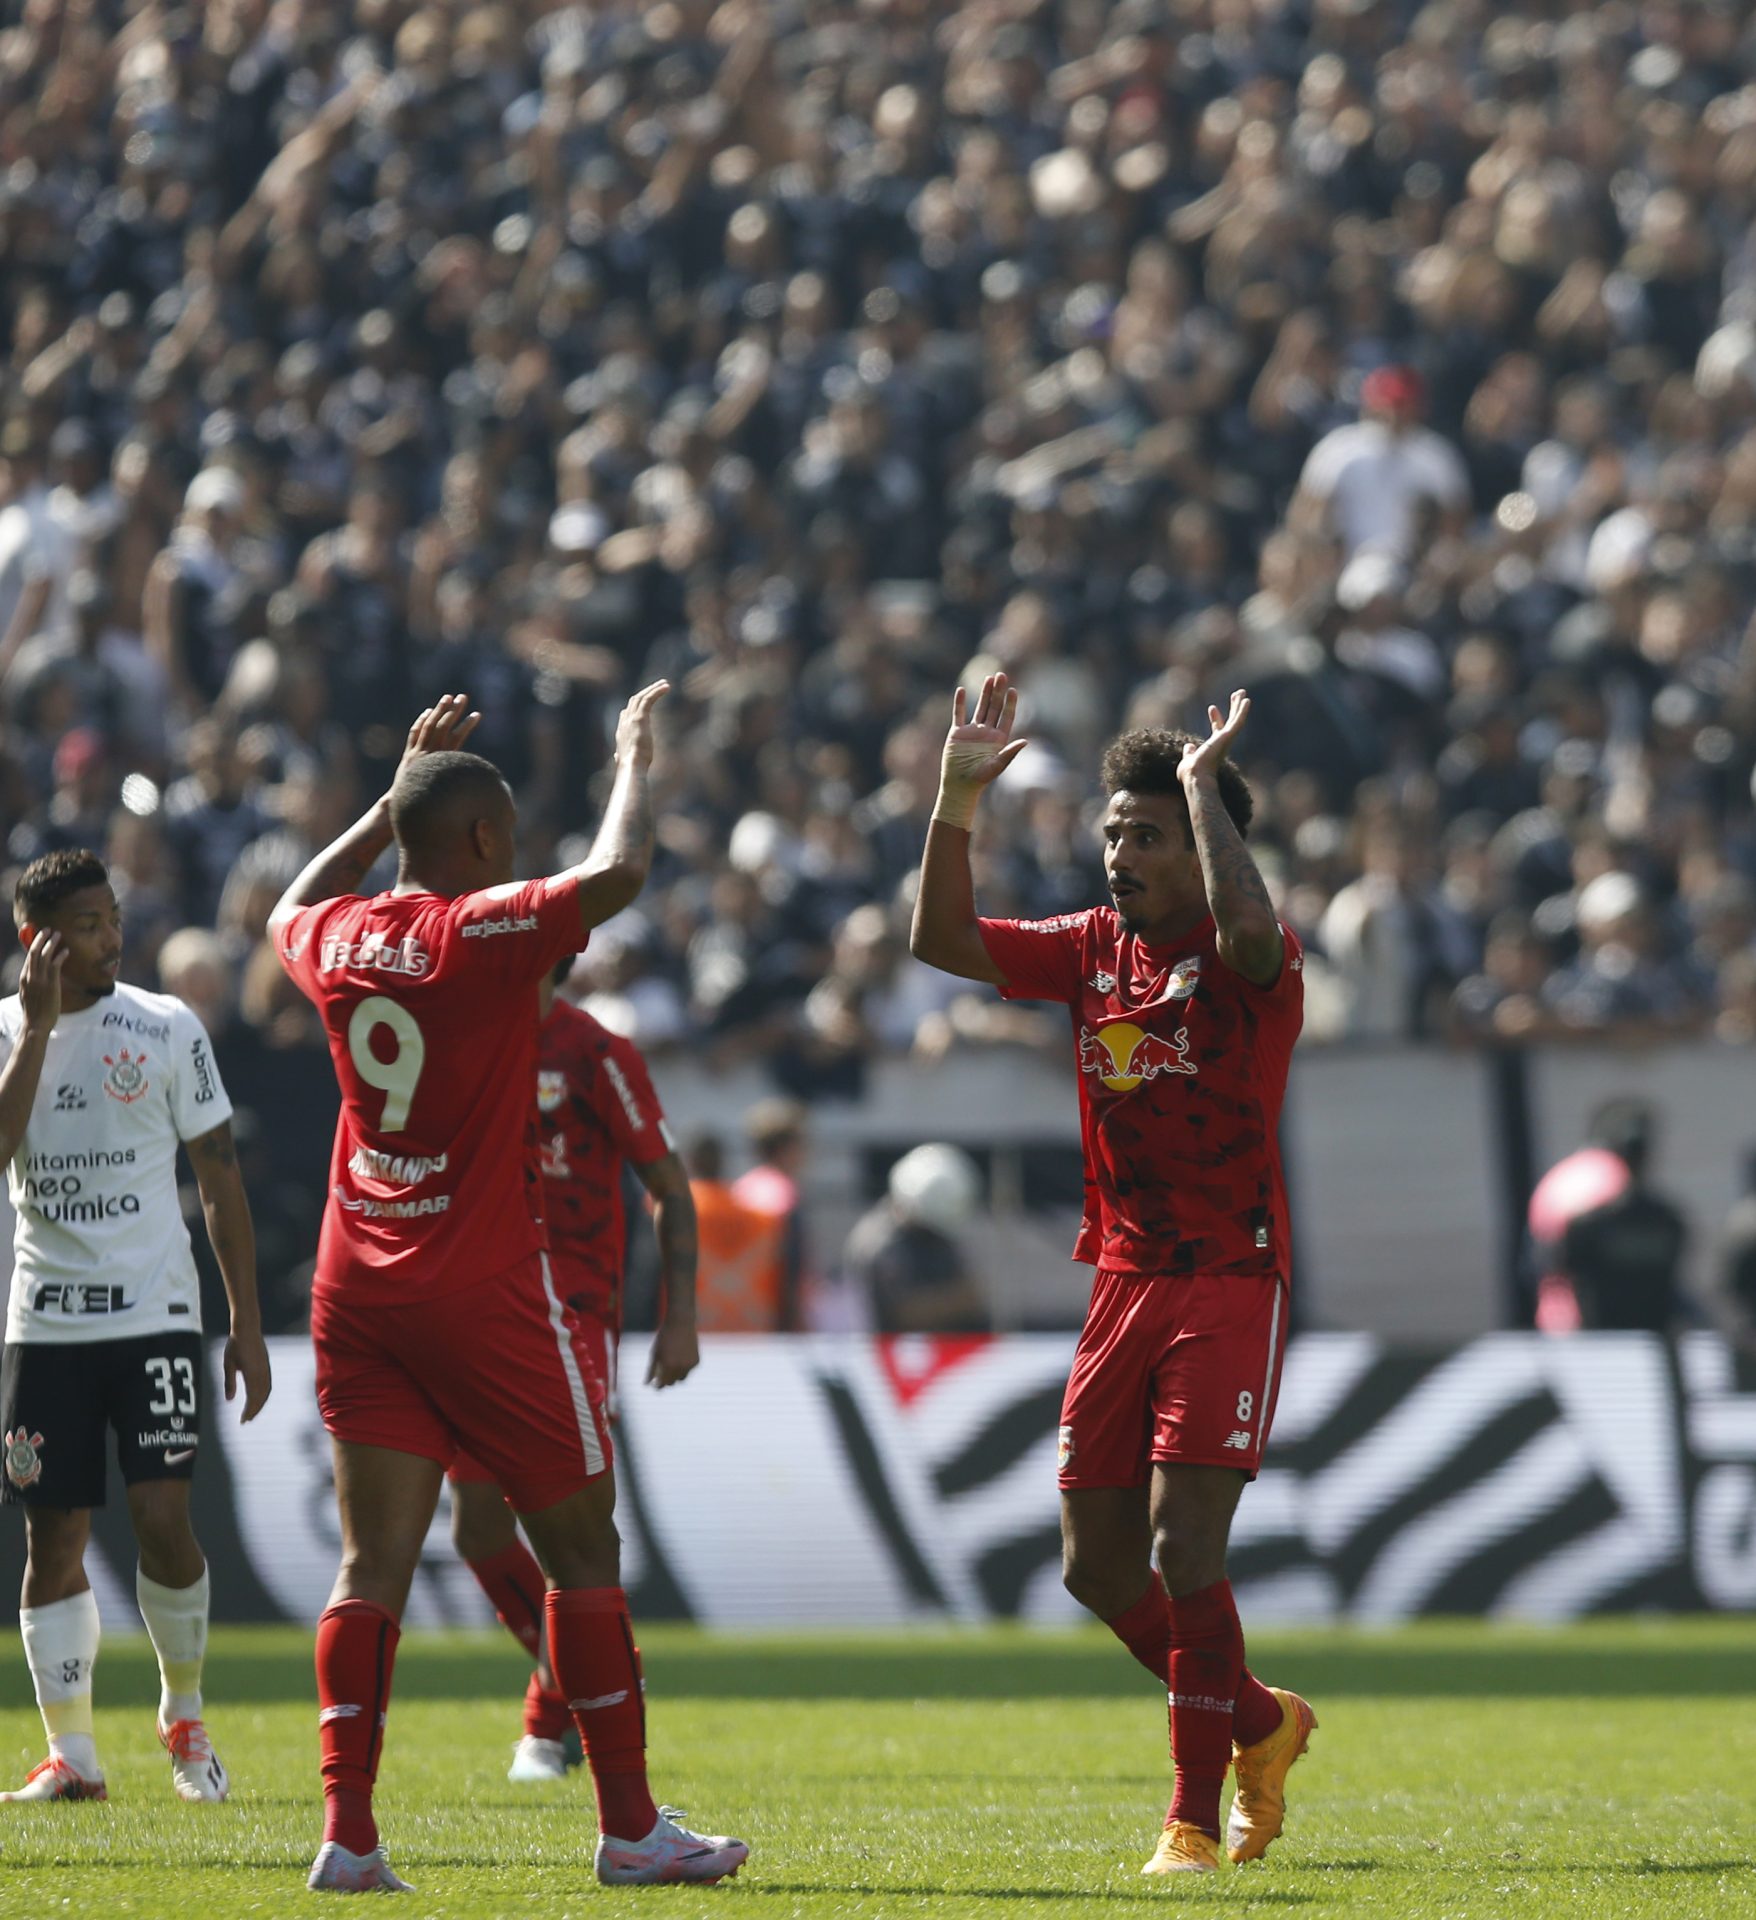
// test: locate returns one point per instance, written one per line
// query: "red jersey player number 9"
(397, 1077)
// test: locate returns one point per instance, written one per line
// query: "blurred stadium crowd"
(1395, 361)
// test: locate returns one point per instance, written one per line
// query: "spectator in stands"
(906, 1253)
(776, 1132)
(741, 1277)
(1610, 1247)
(1382, 482)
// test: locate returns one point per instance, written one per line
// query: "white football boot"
(335, 1870)
(534, 1759)
(57, 1779)
(669, 1853)
(196, 1770)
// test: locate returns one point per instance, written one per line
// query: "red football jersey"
(430, 1006)
(1182, 1069)
(596, 1108)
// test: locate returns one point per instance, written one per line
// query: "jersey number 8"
(397, 1077)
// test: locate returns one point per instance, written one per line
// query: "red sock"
(597, 1668)
(1257, 1713)
(1145, 1630)
(1206, 1659)
(356, 1651)
(546, 1716)
(514, 1584)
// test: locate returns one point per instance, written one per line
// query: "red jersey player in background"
(596, 1112)
(434, 1312)
(1186, 997)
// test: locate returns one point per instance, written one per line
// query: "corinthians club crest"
(24, 1461)
(126, 1080)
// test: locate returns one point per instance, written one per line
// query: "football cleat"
(1184, 1848)
(1259, 1804)
(56, 1779)
(534, 1759)
(196, 1771)
(669, 1853)
(335, 1870)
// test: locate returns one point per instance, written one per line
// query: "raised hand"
(634, 728)
(1202, 759)
(442, 727)
(977, 750)
(39, 985)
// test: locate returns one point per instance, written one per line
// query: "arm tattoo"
(214, 1152)
(1235, 888)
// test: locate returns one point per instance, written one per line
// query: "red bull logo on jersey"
(551, 1090)
(1122, 1055)
(375, 954)
(1185, 978)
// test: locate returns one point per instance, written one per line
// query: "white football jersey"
(100, 1251)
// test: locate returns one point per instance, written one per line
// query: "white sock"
(61, 1648)
(176, 1620)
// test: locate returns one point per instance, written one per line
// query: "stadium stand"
(1395, 361)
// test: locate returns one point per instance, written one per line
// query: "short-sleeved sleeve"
(1285, 993)
(296, 940)
(515, 934)
(630, 1105)
(199, 1102)
(1040, 958)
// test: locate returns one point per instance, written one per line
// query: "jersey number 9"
(397, 1077)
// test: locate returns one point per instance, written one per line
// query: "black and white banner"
(837, 1481)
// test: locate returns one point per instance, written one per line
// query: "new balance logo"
(1240, 1439)
(599, 1700)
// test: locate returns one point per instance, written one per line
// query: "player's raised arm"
(1249, 936)
(945, 932)
(612, 874)
(676, 1350)
(39, 1001)
(346, 861)
(226, 1209)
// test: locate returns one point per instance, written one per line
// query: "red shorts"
(494, 1367)
(595, 1346)
(1181, 1369)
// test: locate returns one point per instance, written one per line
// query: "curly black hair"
(56, 877)
(1146, 759)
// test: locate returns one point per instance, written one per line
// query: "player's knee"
(55, 1543)
(1091, 1581)
(1189, 1556)
(480, 1532)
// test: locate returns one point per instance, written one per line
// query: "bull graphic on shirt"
(1122, 1055)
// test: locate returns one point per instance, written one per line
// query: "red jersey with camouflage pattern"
(1182, 1070)
(596, 1108)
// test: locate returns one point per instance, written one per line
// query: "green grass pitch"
(1602, 1771)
